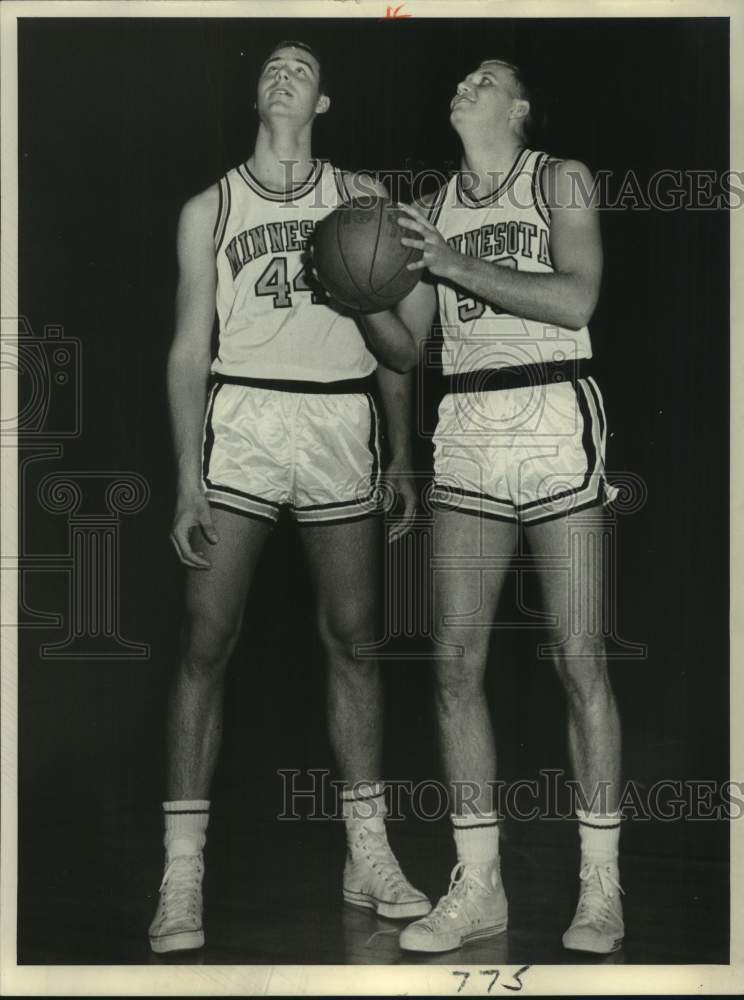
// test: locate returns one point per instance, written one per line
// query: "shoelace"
(180, 885)
(462, 878)
(598, 887)
(381, 858)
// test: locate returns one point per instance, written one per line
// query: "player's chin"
(461, 108)
(283, 107)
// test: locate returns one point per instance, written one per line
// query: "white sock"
(600, 835)
(364, 806)
(476, 837)
(185, 826)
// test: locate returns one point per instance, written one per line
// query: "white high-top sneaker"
(373, 879)
(598, 923)
(177, 924)
(474, 907)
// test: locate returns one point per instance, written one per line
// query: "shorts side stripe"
(589, 437)
(597, 428)
(208, 438)
(597, 396)
(592, 449)
(593, 489)
(374, 444)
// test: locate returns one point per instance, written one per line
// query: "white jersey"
(270, 322)
(511, 227)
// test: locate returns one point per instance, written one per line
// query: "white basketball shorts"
(526, 454)
(316, 453)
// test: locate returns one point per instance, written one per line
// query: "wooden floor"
(273, 896)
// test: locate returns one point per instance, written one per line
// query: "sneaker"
(177, 924)
(474, 907)
(373, 879)
(598, 923)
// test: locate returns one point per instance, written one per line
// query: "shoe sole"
(393, 911)
(183, 941)
(483, 932)
(595, 951)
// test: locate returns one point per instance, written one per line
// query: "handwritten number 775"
(494, 973)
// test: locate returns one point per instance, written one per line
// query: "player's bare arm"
(418, 309)
(395, 383)
(388, 338)
(416, 312)
(188, 368)
(566, 297)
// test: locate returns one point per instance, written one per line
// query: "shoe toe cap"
(410, 895)
(416, 937)
(420, 937)
(584, 938)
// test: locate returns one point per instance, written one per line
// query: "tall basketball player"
(286, 420)
(516, 259)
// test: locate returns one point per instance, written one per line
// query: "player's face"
(486, 95)
(289, 86)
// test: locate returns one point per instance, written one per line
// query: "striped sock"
(364, 804)
(476, 837)
(600, 835)
(185, 826)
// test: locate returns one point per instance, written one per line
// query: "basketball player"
(286, 422)
(516, 260)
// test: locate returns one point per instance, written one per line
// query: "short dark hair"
(291, 43)
(525, 92)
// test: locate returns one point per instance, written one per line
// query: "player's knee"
(585, 678)
(458, 683)
(469, 648)
(207, 644)
(342, 630)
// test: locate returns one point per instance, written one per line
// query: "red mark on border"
(393, 13)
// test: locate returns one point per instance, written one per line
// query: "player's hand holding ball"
(359, 258)
(435, 252)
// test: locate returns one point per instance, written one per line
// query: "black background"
(120, 121)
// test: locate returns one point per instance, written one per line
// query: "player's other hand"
(321, 295)
(437, 255)
(192, 525)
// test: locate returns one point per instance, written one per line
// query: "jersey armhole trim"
(343, 191)
(223, 212)
(435, 209)
(538, 189)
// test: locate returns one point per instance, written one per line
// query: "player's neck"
(282, 158)
(489, 160)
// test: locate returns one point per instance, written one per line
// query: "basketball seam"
(374, 252)
(378, 291)
(343, 261)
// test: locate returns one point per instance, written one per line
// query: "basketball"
(359, 257)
